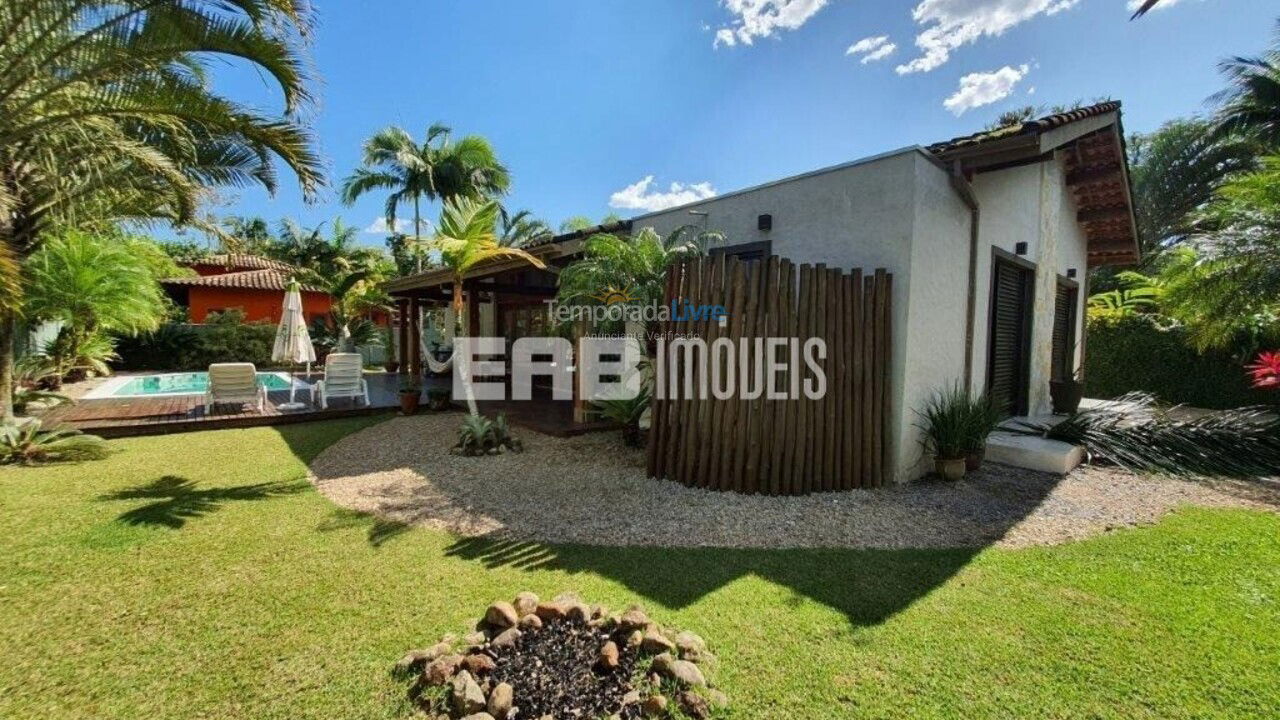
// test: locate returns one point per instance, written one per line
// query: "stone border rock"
(640, 668)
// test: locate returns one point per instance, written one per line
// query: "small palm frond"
(30, 443)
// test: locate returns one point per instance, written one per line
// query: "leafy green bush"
(1132, 355)
(225, 337)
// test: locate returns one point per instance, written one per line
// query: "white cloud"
(872, 48)
(953, 23)
(760, 18)
(978, 89)
(379, 226)
(639, 196)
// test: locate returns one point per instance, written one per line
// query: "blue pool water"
(187, 384)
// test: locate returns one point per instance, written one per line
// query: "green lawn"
(198, 575)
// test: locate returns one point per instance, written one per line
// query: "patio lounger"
(234, 383)
(343, 377)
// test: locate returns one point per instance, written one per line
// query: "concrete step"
(1033, 452)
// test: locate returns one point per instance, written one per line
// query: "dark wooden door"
(1009, 352)
(1064, 331)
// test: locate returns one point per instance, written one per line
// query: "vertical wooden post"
(473, 310)
(579, 400)
(415, 338)
(402, 306)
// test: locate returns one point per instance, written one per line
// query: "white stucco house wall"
(965, 226)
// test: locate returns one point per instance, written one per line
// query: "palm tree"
(436, 169)
(636, 265)
(466, 238)
(326, 256)
(106, 113)
(1251, 102)
(92, 285)
(521, 228)
(1175, 171)
(1143, 8)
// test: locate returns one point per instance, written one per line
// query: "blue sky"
(583, 99)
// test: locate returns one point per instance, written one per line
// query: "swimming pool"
(191, 383)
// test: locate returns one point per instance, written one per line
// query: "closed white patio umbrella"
(293, 342)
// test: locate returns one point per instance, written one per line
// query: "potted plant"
(984, 418)
(627, 413)
(1066, 394)
(948, 428)
(410, 392)
(439, 399)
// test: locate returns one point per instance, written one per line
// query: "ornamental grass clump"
(1135, 433)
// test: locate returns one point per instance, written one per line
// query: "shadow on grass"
(868, 586)
(178, 499)
(380, 530)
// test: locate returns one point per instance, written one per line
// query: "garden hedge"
(1131, 354)
(185, 347)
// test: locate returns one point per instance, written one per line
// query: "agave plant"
(30, 443)
(481, 436)
(1136, 434)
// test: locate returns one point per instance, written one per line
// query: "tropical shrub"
(1140, 354)
(627, 413)
(1138, 435)
(30, 443)
(481, 436)
(225, 337)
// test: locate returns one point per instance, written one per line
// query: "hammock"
(432, 364)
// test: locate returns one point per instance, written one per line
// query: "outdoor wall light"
(1020, 248)
(764, 222)
(1071, 272)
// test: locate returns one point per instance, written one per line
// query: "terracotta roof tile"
(270, 279)
(1030, 127)
(244, 261)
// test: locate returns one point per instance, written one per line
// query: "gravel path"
(592, 490)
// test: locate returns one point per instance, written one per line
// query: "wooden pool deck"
(132, 416)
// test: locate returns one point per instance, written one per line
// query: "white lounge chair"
(343, 377)
(234, 383)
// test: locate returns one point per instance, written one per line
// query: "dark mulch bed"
(554, 671)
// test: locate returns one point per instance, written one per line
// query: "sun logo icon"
(612, 295)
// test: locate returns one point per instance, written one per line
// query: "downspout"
(965, 191)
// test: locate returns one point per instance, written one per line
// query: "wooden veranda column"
(473, 310)
(415, 340)
(402, 306)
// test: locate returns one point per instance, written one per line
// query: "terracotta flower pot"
(408, 403)
(950, 468)
(391, 366)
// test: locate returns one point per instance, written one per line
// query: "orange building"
(249, 283)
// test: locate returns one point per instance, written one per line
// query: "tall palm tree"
(1144, 8)
(106, 113)
(466, 238)
(435, 169)
(1251, 102)
(325, 255)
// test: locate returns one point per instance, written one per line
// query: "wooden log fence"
(763, 444)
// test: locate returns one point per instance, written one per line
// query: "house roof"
(1092, 142)
(1030, 127)
(243, 261)
(547, 248)
(268, 279)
